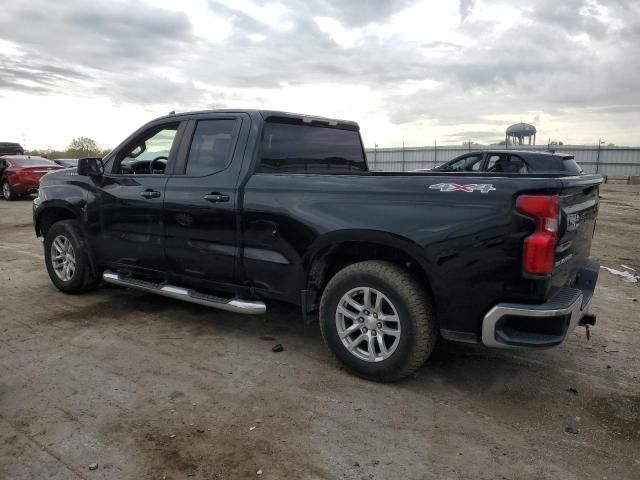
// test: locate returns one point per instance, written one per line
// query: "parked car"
(251, 206)
(511, 161)
(10, 148)
(21, 174)
(66, 162)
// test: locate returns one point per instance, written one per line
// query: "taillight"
(539, 253)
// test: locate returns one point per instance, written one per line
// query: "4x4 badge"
(464, 187)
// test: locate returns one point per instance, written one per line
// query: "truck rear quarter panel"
(469, 243)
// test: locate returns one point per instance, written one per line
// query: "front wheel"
(377, 321)
(67, 259)
(7, 191)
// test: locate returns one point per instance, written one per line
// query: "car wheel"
(67, 259)
(377, 321)
(7, 191)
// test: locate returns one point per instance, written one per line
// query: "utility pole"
(403, 156)
(375, 155)
(435, 153)
(598, 157)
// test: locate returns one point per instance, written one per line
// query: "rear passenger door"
(201, 201)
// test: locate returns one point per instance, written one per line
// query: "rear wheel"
(67, 259)
(377, 320)
(7, 191)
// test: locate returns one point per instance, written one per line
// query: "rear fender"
(315, 260)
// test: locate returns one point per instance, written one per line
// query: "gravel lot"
(148, 387)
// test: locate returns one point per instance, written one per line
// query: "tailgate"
(579, 202)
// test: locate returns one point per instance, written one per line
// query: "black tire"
(84, 278)
(414, 309)
(6, 187)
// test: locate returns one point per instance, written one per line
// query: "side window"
(150, 154)
(491, 164)
(515, 165)
(470, 163)
(211, 147)
(292, 148)
(506, 164)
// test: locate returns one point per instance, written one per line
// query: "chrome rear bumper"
(512, 325)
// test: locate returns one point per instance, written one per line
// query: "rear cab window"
(301, 148)
(470, 163)
(505, 163)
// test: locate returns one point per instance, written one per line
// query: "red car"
(20, 174)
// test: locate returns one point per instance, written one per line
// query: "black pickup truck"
(230, 209)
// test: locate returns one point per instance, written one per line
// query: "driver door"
(126, 219)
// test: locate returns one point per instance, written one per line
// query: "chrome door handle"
(150, 194)
(216, 197)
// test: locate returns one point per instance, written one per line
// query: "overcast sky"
(406, 70)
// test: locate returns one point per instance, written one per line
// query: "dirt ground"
(148, 387)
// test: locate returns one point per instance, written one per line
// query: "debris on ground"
(611, 348)
(277, 347)
(252, 428)
(626, 276)
(628, 268)
(172, 435)
(572, 427)
(93, 466)
(572, 390)
(259, 472)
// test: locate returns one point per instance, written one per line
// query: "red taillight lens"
(539, 253)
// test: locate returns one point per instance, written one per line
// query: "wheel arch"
(336, 250)
(51, 213)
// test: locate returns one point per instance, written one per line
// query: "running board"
(248, 307)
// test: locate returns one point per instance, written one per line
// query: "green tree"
(83, 147)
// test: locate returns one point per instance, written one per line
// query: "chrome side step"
(248, 307)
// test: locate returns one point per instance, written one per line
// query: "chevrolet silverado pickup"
(233, 209)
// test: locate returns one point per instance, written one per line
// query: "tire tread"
(418, 302)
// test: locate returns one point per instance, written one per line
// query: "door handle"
(216, 197)
(150, 194)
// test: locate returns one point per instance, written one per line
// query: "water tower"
(518, 133)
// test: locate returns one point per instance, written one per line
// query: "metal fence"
(611, 161)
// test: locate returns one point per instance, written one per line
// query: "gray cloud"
(103, 35)
(34, 75)
(350, 13)
(566, 56)
(539, 66)
(466, 6)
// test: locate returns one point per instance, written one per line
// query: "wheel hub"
(63, 258)
(368, 324)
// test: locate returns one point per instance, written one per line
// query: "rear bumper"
(513, 325)
(23, 187)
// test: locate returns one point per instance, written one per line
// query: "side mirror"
(90, 167)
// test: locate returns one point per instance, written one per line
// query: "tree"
(84, 147)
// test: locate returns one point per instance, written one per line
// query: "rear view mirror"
(90, 167)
